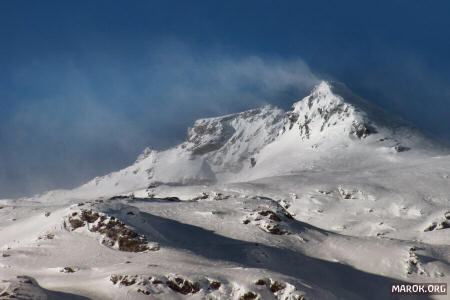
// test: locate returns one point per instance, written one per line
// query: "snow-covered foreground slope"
(335, 199)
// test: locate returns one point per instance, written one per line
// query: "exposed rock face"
(146, 153)
(114, 233)
(362, 130)
(443, 223)
(248, 296)
(155, 285)
(270, 221)
(281, 290)
(209, 134)
(183, 286)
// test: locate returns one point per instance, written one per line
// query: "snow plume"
(76, 118)
(213, 80)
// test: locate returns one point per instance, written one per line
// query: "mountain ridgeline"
(331, 125)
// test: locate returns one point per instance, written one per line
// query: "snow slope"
(334, 199)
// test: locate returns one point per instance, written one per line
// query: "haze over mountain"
(333, 199)
(330, 126)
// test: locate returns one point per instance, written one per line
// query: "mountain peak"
(330, 107)
(323, 87)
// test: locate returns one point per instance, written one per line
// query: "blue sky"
(86, 85)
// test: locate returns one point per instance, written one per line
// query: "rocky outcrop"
(113, 232)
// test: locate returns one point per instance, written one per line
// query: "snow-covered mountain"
(334, 199)
(329, 126)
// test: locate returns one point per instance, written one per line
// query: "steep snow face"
(228, 142)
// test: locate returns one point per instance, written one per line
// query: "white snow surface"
(334, 199)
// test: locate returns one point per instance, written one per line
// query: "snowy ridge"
(229, 147)
(318, 128)
(226, 142)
